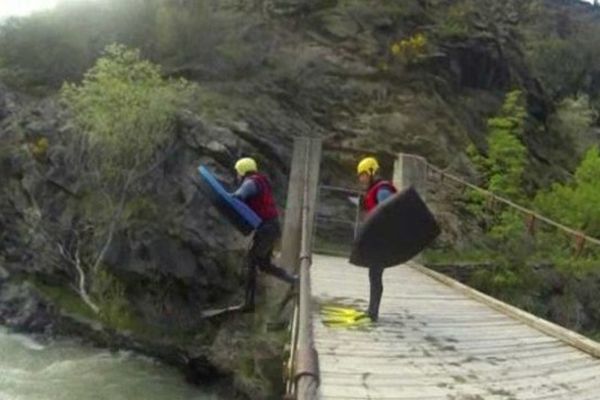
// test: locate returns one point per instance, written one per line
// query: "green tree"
(43, 50)
(39, 52)
(573, 120)
(124, 116)
(503, 166)
(502, 170)
(456, 20)
(563, 51)
(125, 109)
(577, 203)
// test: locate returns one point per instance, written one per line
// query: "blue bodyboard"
(234, 210)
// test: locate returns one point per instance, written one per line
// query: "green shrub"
(125, 108)
(561, 57)
(41, 51)
(39, 147)
(123, 113)
(455, 21)
(109, 294)
(572, 122)
(576, 204)
(503, 166)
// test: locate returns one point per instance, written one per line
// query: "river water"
(64, 370)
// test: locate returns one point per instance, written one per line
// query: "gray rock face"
(8, 102)
(185, 250)
(22, 308)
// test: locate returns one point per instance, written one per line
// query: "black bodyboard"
(396, 231)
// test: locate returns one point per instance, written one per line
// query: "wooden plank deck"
(434, 342)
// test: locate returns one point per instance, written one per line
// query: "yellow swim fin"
(336, 316)
(336, 310)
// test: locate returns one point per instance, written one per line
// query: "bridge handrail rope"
(580, 236)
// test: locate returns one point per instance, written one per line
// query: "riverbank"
(235, 356)
(31, 369)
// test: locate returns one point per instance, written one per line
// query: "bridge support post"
(306, 162)
(411, 170)
(296, 253)
(292, 224)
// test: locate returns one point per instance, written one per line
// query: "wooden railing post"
(411, 170)
(296, 252)
(292, 225)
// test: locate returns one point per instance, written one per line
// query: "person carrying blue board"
(377, 191)
(255, 190)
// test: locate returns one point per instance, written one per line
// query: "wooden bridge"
(434, 341)
(436, 338)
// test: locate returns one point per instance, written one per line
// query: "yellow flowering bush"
(410, 49)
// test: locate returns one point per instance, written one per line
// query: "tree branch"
(81, 289)
(113, 223)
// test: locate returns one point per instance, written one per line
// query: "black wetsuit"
(377, 192)
(255, 191)
(260, 255)
(376, 285)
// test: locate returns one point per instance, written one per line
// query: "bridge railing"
(436, 174)
(511, 251)
(474, 222)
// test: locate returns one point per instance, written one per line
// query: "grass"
(113, 318)
(67, 300)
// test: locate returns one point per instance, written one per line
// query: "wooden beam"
(292, 229)
(312, 180)
(306, 162)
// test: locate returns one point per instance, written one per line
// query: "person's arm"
(383, 194)
(246, 190)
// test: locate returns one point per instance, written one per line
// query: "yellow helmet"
(245, 165)
(368, 165)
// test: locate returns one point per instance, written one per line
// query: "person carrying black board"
(377, 190)
(255, 190)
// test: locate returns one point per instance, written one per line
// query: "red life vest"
(262, 204)
(370, 201)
